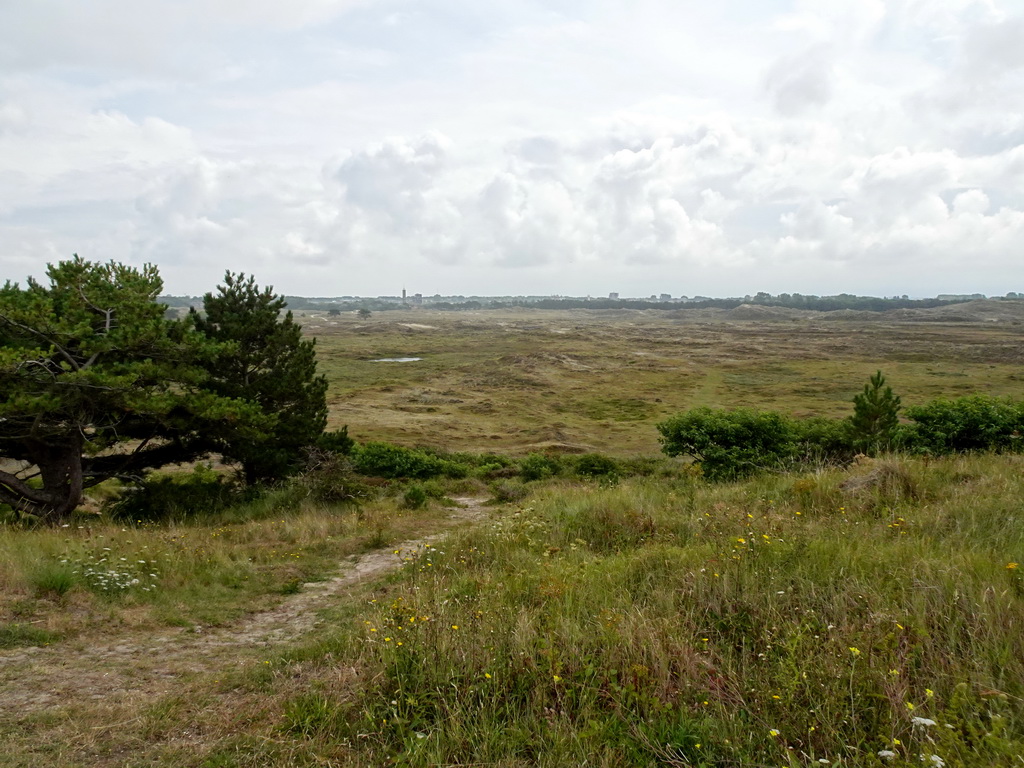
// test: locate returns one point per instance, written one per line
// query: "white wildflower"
(886, 754)
(922, 722)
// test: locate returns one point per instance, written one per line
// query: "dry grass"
(522, 380)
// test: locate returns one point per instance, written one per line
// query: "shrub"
(537, 466)
(731, 444)
(203, 491)
(330, 479)
(393, 461)
(415, 496)
(972, 423)
(509, 491)
(595, 465)
(435, 489)
(336, 441)
(824, 441)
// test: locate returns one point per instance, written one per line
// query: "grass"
(14, 635)
(518, 381)
(783, 621)
(829, 618)
(206, 571)
(639, 617)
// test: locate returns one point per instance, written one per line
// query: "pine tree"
(96, 383)
(875, 416)
(266, 361)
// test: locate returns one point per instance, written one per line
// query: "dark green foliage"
(875, 416)
(415, 496)
(595, 465)
(89, 365)
(264, 360)
(164, 497)
(538, 466)
(336, 441)
(823, 441)
(731, 444)
(393, 461)
(972, 423)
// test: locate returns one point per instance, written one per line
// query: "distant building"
(613, 295)
(960, 296)
(417, 298)
(666, 297)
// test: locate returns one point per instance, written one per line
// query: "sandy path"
(32, 679)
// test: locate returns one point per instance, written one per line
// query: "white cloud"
(801, 81)
(343, 147)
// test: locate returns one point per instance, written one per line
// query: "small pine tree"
(875, 416)
(267, 362)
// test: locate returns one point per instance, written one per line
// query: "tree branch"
(108, 314)
(10, 485)
(17, 502)
(29, 329)
(99, 468)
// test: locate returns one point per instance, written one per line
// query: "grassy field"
(517, 381)
(861, 616)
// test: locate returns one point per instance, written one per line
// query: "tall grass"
(868, 617)
(204, 570)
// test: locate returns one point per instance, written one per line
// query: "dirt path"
(34, 679)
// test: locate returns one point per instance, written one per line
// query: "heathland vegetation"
(812, 570)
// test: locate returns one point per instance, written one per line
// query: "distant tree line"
(787, 300)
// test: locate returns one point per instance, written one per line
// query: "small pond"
(397, 360)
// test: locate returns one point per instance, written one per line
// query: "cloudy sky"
(338, 147)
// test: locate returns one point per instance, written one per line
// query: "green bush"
(595, 465)
(821, 440)
(415, 496)
(159, 497)
(394, 461)
(731, 444)
(336, 441)
(537, 466)
(972, 423)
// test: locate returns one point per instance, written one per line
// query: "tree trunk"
(60, 468)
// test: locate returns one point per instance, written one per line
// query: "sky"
(356, 147)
